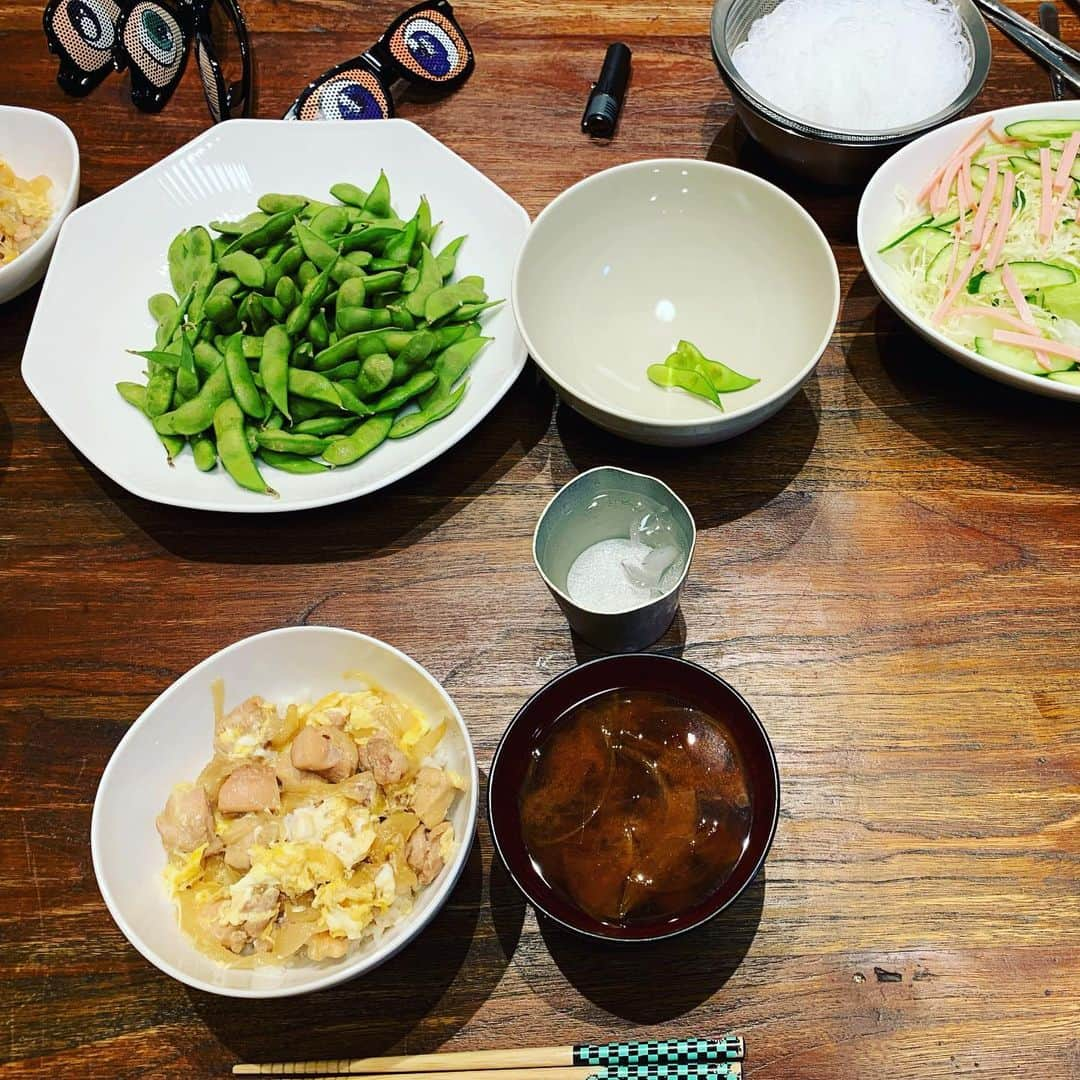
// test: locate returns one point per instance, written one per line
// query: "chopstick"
(537, 1061)
(999, 13)
(731, 1070)
(1048, 20)
(1035, 47)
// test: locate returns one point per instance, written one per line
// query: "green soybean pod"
(204, 452)
(274, 228)
(387, 341)
(159, 391)
(292, 463)
(349, 194)
(679, 378)
(411, 423)
(449, 366)
(425, 228)
(318, 333)
(312, 385)
(353, 293)
(367, 237)
(349, 370)
(134, 394)
(384, 281)
(244, 225)
(325, 425)
(399, 248)
(291, 259)
(187, 376)
(243, 385)
(440, 303)
(310, 300)
(302, 355)
(362, 441)
(232, 446)
(253, 346)
(167, 330)
(226, 286)
(286, 293)
(393, 399)
(207, 358)
(220, 309)
(274, 366)
(245, 268)
(306, 273)
(375, 374)
(400, 317)
(272, 307)
(378, 200)
(287, 442)
(273, 203)
(360, 259)
(446, 260)
(275, 423)
(329, 222)
(429, 282)
(196, 415)
(350, 400)
(304, 409)
(352, 320)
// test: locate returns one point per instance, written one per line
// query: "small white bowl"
(173, 740)
(881, 215)
(32, 143)
(622, 265)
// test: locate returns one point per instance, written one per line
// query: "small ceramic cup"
(565, 530)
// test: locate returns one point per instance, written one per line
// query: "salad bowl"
(882, 214)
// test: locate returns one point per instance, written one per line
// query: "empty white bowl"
(32, 143)
(173, 740)
(623, 264)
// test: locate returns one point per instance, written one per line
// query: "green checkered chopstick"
(670, 1059)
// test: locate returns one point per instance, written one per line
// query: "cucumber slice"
(980, 174)
(1071, 378)
(905, 234)
(938, 270)
(930, 240)
(1042, 131)
(1055, 160)
(1029, 276)
(949, 217)
(1062, 301)
(1015, 357)
(1025, 166)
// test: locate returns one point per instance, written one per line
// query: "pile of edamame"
(687, 368)
(306, 334)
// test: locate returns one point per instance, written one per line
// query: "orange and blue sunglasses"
(424, 48)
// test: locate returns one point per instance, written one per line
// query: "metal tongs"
(1033, 39)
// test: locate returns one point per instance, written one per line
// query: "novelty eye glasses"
(423, 47)
(151, 38)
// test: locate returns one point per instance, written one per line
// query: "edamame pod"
(349, 194)
(375, 374)
(232, 445)
(274, 228)
(159, 392)
(274, 366)
(287, 442)
(680, 378)
(243, 385)
(312, 385)
(430, 281)
(197, 415)
(292, 463)
(393, 399)
(325, 425)
(412, 422)
(274, 204)
(378, 201)
(325, 255)
(449, 366)
(245, 268)
(361, 442)
(204, 452)
(328, 222)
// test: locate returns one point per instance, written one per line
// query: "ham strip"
(1046, 204)
(1004, 218)
(1062, 179)
(967, 147)
(1016, 295)
(954, 289)
(992, 313)
(1036, 344)
(982, 215)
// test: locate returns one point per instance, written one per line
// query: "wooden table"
(888, 570)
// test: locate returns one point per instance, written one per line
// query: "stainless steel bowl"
(831, 157)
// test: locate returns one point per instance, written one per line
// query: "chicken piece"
(247, 832)
(360, 788)
(229, 937)
(384, 760)
(324, 946)
(423, 851)
(325, 750)
(289, 776)
(259, 909)
(336, 715)
(251, 787)
(432, 796)
(187, 821)
(246, 728)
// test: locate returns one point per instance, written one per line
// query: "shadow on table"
(957, 411)
(360, 528)
(833, 208)
(650, 984)
(427, 992)
(671, 644)
(719, 483)
(6, 440)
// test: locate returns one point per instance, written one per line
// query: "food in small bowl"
(675, 301)
(972, 237)
(39, 186)
(310, 829)
(634, 797)
(832, 87)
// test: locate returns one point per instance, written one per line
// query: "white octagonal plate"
(111, 256)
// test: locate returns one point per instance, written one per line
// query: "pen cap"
(606, 98)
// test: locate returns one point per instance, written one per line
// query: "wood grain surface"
(889, 570)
